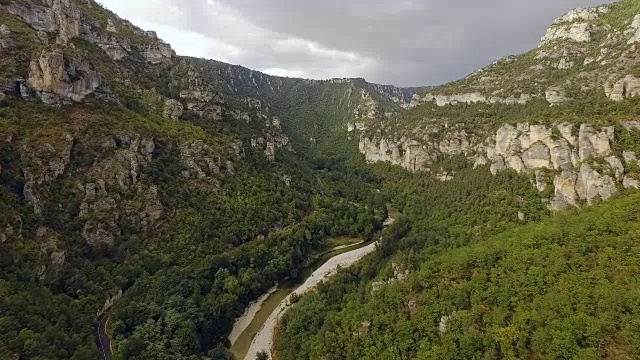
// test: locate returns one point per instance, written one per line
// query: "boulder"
(5, 41)
(566, 130)
(541, 180)
(532, 134)
(4, 30)
(516, 163)
(629, 157)
(498, 166)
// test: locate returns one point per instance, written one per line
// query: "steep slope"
(462, 275)
(314, 113)
(564, 112)
(173, 190)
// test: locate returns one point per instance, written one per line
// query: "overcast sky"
(400, 42)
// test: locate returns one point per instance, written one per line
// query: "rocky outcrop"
(201, 161)
(52, 255)
(578, 32)
(593, 143)
(581, 14)
(173, 109)
(469, 98)
(576, 25)
(5, 37)
(200, 96)
(44, 162)
(416, 153)
(108, 304)
(158, 53)
(270, 144)
(526, 148)
(114, 197)
(410, 154)
(578, 162)
(117, 48)
(57, 80)
(556, 95)
(627, 87)
(57, 16)
(634, 30)
(131, 153)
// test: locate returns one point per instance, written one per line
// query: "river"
(253, 332)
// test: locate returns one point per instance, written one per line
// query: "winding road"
(105, 341)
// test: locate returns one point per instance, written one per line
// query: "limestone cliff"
(586, 52)
(513, 112)
(578, 161)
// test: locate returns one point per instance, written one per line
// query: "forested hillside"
(519, 231)
(562, 288)
(165, 193)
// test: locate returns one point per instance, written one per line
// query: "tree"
(262, 355)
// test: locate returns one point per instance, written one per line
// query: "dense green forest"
(227, 237)
(479, 285)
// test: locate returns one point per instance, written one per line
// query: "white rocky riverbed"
(264, 338)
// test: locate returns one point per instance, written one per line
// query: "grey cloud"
(404, 42)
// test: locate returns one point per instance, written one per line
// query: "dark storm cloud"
(403, 42)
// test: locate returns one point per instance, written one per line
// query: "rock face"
(200, 160)
(627, 87)
(468, 98)
(578, 32)
(45, 162)
(578, 162)
(115, 198)
(5, 37)
(634, 30)
(52, 254)
(409, 154)
(57, 80)
(540, 149)
(555, 96)
(172, 109)
(57, 16)
(158, 53)
(200, 96)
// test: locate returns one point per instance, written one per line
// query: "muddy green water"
(242, 344)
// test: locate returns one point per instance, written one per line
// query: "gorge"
(176, 203)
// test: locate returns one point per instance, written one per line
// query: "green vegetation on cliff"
(479, 285)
